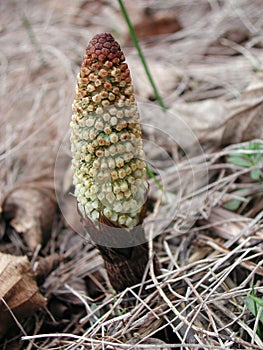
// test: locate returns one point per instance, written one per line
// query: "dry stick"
(108, 162)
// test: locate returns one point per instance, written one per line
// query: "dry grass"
(209, 268)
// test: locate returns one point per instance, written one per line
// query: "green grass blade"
(33, 38)
(153, 176)
(257, 301)
(253, 304)
(140, 53)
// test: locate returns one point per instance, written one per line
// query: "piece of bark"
(18, 291)
(30, 209)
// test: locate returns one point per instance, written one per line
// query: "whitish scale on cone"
(106, 144)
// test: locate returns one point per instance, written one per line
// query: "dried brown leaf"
(201, 116)
(161, 22)
(244, 125)
(246, 117)
(18, 290)
(30, 207)
(226, 122)
(236, 34)
(44, 266)
(228, 225)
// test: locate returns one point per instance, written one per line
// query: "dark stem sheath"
(125, 253)
(126, 267)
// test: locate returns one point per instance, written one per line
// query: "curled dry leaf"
(244, 125)
(220, 122)
(229, 225)
(245, 120)
(159, 23)
(44, 266)
(18, 290)
(30, 207)
(233, 35)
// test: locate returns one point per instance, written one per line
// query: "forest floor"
(205, 219)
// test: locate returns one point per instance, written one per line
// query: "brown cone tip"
(104, 47)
